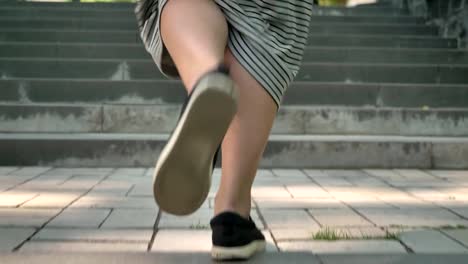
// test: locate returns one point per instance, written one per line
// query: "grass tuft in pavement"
(330, 234)
(199, 226)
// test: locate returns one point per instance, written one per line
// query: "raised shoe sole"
(182, 176)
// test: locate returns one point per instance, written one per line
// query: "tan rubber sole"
(182, 176)
(238, 253)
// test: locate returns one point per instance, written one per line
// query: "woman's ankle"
(240, 207)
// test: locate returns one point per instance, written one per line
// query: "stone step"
(106, 7)
(311, 54)
(67, 5)
(112, 69)
(11, 24)
(358, 10)
(172, 92)
(283, 151)
(339, 254)
(131, 37)
(162, 118)
(359, 40)
(117, 15)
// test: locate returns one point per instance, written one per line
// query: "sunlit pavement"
(305, 214)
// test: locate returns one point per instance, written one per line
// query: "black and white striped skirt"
(267, 37)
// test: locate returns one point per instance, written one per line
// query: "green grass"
(198, 226)
(391, 235)
(96, 1)
(108, 1)
(330, 234)
(450, 227)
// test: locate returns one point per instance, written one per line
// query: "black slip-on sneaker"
(182, 176)
(235, 238)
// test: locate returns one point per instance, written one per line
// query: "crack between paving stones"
(430, 202)
(431, 156)
(347, 205)
(313, 217)
(28, 180)
(17, 248)
(262, 219)
(454, 239)
(105, 219)
(408, 249)
(155, 230)
(21, 204)
(320, 260)
(101, 116)
(130, 190)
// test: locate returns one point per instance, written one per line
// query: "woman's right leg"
(195, 34)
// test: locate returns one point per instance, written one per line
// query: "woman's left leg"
(244, 141)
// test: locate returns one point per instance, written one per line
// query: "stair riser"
(128, 7)
(117, 16)
(131, 25)
(333, 72)
(357, 11)
(23, 50)
(314, 40)
(290, 120)
(300, 93)
(279, 153)
(382, 41)
(67, 6)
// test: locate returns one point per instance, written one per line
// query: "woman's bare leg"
(195, 34)
(244, 142)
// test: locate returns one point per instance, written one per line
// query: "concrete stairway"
(378, 88)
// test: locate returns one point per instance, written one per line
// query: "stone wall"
(451, 16)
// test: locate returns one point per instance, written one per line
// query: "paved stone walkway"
(44, 209)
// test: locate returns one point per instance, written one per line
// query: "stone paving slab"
(6, 170)
(13, 237)
(288, 219)
(459, 235)
(52, 200)
(463, 211)
(310, 190)
(413, 217)
(338, 217)
(145, 190)
(111, 202)
(306, 234)
(26, 217)
(119, 235)
(287, 234)
(293, 203)
(298, 203)
(14, 199)
(80, 218)
(450, 175)
(344, 246)
(430, 241)
(395, 259)
(29, 172)
(192, 241)
(198, 220)
(112, 188)
(150, 258)
(42, 246)
(270, 192)
(131, 218)
(290, 173)
(187, 241)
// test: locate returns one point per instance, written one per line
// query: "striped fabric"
(266, 36)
